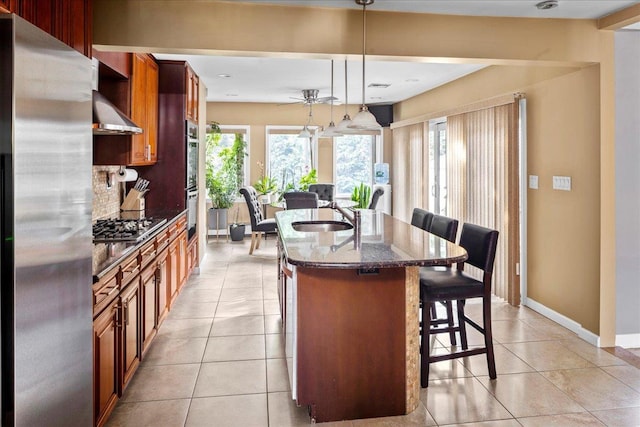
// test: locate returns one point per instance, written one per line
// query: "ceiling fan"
(310, 97)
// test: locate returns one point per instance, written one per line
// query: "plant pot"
(236, 231)
(217, 219)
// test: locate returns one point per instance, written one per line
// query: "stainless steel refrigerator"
(46, 196)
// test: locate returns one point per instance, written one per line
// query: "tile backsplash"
(106, 200)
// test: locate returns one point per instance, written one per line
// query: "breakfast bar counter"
(349, 296)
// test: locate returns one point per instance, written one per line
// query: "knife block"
(133, 202)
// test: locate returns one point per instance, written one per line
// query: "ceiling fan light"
(364, 120)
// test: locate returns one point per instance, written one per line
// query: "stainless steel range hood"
(109, 120)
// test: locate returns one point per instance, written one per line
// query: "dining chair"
(456, 285)
(324, 191)
(421, 218)
(301, 200)
(375, 197)
(259, 225)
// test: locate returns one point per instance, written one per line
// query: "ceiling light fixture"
(364, 120)
(346, 120)
(547, 4)
(224, 76)
(331, 130)
(305, 132)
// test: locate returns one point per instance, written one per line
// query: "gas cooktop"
(124, 230)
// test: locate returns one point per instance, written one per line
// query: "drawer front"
(130, 269)
(104, 292)
(163, 240)
(147, 254)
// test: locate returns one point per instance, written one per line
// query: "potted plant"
(306, 180)
(361, 195)
(266, 185)
(223, 181)
(236, 229)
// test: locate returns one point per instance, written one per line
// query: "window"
(289, 157)
(354, 157)
(438, 168)
(224, 140)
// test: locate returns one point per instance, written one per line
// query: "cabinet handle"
(125, 307)
(117, 315)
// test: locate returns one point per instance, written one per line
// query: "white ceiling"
(280, 80)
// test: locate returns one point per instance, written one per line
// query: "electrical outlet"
(562, 183)
(533, 182)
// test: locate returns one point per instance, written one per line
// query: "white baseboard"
(628, 340)
(562, 320)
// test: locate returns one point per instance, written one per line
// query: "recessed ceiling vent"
(547, 4)
(379, 85)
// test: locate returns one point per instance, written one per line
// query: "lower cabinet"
(130, 305)
(149, 305)
(163, 287)
(131, 346)
(105, 356)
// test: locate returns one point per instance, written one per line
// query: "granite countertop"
(103, 262)
(385, 242)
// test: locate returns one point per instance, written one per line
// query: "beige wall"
(563, 138)
(528, 50)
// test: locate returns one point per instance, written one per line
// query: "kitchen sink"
(320, 226)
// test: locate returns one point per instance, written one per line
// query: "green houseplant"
(224, 173)
(361, 195)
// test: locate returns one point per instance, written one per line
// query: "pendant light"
(346, 120)
(331, 130)
(364, 120)
(305, 132)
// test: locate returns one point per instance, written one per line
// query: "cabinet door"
(152, 110)
(162, 286)
(182, 261)
(144, 109)
(130, 303)
(105, 365)
(174, 274)
(148, 283)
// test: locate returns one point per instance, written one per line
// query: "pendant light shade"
(304, 133)
(364, 120)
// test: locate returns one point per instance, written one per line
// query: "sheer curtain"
(409, 170)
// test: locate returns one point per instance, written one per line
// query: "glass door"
(438, 168)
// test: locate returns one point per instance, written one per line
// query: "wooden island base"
(357, 342)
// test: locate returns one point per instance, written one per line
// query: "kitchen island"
(349, 299)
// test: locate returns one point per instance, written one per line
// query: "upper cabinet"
(144, 109)
(67, 20)
(193, 94)
(130, 81)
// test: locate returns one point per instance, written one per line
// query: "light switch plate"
(533, 182)
(562, 183)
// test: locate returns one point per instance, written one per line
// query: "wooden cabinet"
(162, 286)
(8, 6)
(192, 91)
(105, 356)
(144, 109)
(149, 305)
(182, 259)
(136, 96)
(70, 21)
(192, 255)
(129, 304)
(131, 345)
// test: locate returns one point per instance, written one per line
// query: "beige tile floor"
(218, 361)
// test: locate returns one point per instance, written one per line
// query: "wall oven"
(192, 155)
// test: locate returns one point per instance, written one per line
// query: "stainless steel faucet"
(355, 218)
